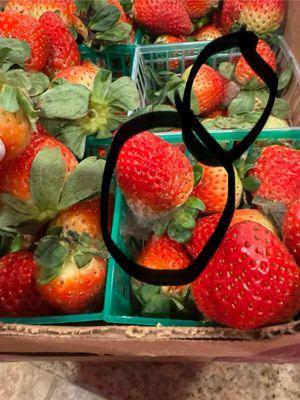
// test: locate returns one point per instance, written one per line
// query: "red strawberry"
(210, 88)
(218, 113)
(161, 252)
(74, 283)
(244, 73)
(15, 174)
(251, 281)
(36, 8)
(64, 51)
(230, 13)
(154, 176)
(209, 32)
(83, 218)
(18, 292)
(198, 8)
(212, 188)
(83, 74)
(278, 169)
(291, 229)
(162, 16)
(24, 27)
(15, 132)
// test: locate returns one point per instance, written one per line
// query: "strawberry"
(244, 73)
(251, 281)
(15, 174)
(24, 27)
(15, 132)
(206, 226)
(66, 9)
(218, 113)
(162, 16)
(18, 291)
(154, 176)
(198, 8)
(169, 39)
(212, 188)
(64, 51)
(260, 16)
(71, 274)
(209, 32)
(291, 229)
(209, 87)
(278, 170)
(83, 218)
(83, 74)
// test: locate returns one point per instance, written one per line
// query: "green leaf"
(50, 255)
(78, 187)
(82, 258)
(19, 50)
(147, 292)
(102, 84)
(74, 137)
(54, 231)
(39, 83)
(183, 219)
(3, 54)
(203, 21)
(18, 79)
(64, 101)
(9, 98)
(23, 207)
(104, 19)
(251, 183)
(180, 235)
(119, 33)
(25, 103)
(253, 84)
(198, 172)
(242, 104)
(286, 76)
(194, 202)
(16, 244)
(160, 226)
(263, 97)
(124, 94)
(47, 177)
(158, 306)
(281, 108)
(227, 69)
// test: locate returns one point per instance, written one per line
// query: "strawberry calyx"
(51, 191)
(63, 253)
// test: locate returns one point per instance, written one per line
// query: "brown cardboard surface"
(106, 343)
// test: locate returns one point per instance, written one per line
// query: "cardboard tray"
(273, 344)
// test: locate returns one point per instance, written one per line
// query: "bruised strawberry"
(210, 88)
(71, 274)
(15, 173)
(18, 290)
(291, 229)
(66, 9)
(213, 188)
(24, 27)
(162, 16)
(64, 51)
(198, 8)
(83, 74)
(154, 176)
(278, 170)
(209, 32)
(244, 73)
(251, 281)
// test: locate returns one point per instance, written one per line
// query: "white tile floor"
(148, 381)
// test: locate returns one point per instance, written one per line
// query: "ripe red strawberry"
(209, 32)
(162, 16)
(18, 292)
(15, 132)
(15, 174)
(212, 188)
(230, 13)
(64, 51)
(83, 218)
(36, 8)
(251, 281)
(210, 88)
(291, 229)
(244, 73)
(161, 252)
(24, 27)
(278, 169)
(75, 282)
(83, 74)
(154, 176)
(198, 8)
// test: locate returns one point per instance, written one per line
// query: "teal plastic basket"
(118, 306)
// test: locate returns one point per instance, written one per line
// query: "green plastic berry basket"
(119, 307)
(57, 319)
